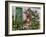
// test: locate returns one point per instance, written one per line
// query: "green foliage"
(35, 20)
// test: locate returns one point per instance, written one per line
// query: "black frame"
(6, 18)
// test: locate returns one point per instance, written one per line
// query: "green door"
(18, 18)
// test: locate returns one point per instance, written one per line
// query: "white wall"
(2, 17)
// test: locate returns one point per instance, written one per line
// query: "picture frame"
(16, 9)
